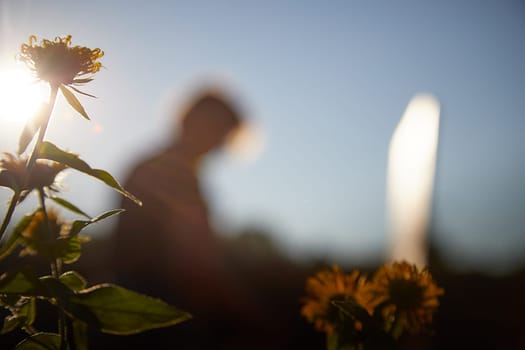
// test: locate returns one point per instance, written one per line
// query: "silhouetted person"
(166, 248)
(239, 298)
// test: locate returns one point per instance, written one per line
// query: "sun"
(20, 95)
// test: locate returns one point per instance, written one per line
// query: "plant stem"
(56, 267)
(397, 328)
(29, 330)
(42, 132)
(32, 159)
(9, 213)
(41, 196)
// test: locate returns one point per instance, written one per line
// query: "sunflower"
(323, 288)
(57, 62)
(404, 292)
(42, 176)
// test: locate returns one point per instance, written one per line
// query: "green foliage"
(73, 281)
(80, 335)
(371, 335)
(109, 308)
(65, 246)
(70, 206)
(73, 101)
(31, 127)
(40, 341)
(23, 315)
(121, 311)
(14, 238)
(21, 282)
(49, 151)
(79, 225)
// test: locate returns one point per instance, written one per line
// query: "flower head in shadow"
(43, 175)
(403, 292)
(57, 62)
(41, 229)
(48, 235)
(324, 288)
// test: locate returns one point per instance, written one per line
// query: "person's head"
(207, 123)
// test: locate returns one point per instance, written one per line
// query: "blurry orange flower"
(325, 287)
(405, 292)
(59, 63)
(37, 230)
(48, 237)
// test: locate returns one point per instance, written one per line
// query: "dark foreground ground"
(477, 311)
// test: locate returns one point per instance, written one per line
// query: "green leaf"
(79, 225)
(73, 280)
(32, 126)
(352, 309)
(28, 310)
(373, 335)
(69, 249)
(14, 238)
(63, 295)
(23, 315)
(121, 311)
(69, 206)
(11, 323)
(21, 282)
(8, 300)
(40, 341)
(73, 101)
(66, 248)
(82, 92)
(332, 341)
(52, 152)
(80, 335)
(82, 81)
(56, 289)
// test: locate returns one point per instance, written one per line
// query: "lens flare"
(411, 168)
(247, 143)
(20, 95)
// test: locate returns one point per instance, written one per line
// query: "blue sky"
(327, 82)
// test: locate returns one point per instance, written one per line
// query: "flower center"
(405, 294)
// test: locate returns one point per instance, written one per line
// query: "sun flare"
(20, 95)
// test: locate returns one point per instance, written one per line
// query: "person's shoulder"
(141, 169)
(148, 163)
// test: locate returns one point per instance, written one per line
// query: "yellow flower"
(403, 291)
(325, 287)
(37, 230)
(59, 63)
(43, 174)
(48, 238)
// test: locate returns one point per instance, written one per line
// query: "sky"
(324, 84)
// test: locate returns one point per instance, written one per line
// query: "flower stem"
(397, 327)
(29, 330)
(42, 132)
(41, 196)
(9, 213)
(32, 159)
(56, 267)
